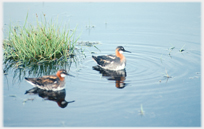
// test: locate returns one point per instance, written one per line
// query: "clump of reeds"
(45, 41)
(25, 69)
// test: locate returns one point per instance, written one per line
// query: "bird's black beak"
(70, 75)
(127, 51)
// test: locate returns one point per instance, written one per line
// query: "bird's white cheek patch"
(120, 52)
(63, 75)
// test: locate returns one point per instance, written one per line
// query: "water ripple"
(148, 65)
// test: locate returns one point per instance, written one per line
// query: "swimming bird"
(112, 62)
(50, 82)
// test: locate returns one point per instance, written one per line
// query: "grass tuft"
(43, 42)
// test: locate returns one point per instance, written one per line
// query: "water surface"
(149, 31)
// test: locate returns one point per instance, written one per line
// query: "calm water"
(148, 30)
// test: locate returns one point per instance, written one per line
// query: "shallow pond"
(162, 86)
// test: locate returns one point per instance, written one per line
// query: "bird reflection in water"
(119, 76)
(57, 96)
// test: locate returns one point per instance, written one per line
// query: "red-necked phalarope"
(112, 62)
(50, 82)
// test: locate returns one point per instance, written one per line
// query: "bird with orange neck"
(112, 62)
(50, 82)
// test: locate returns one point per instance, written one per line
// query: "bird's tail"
(94, 57)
